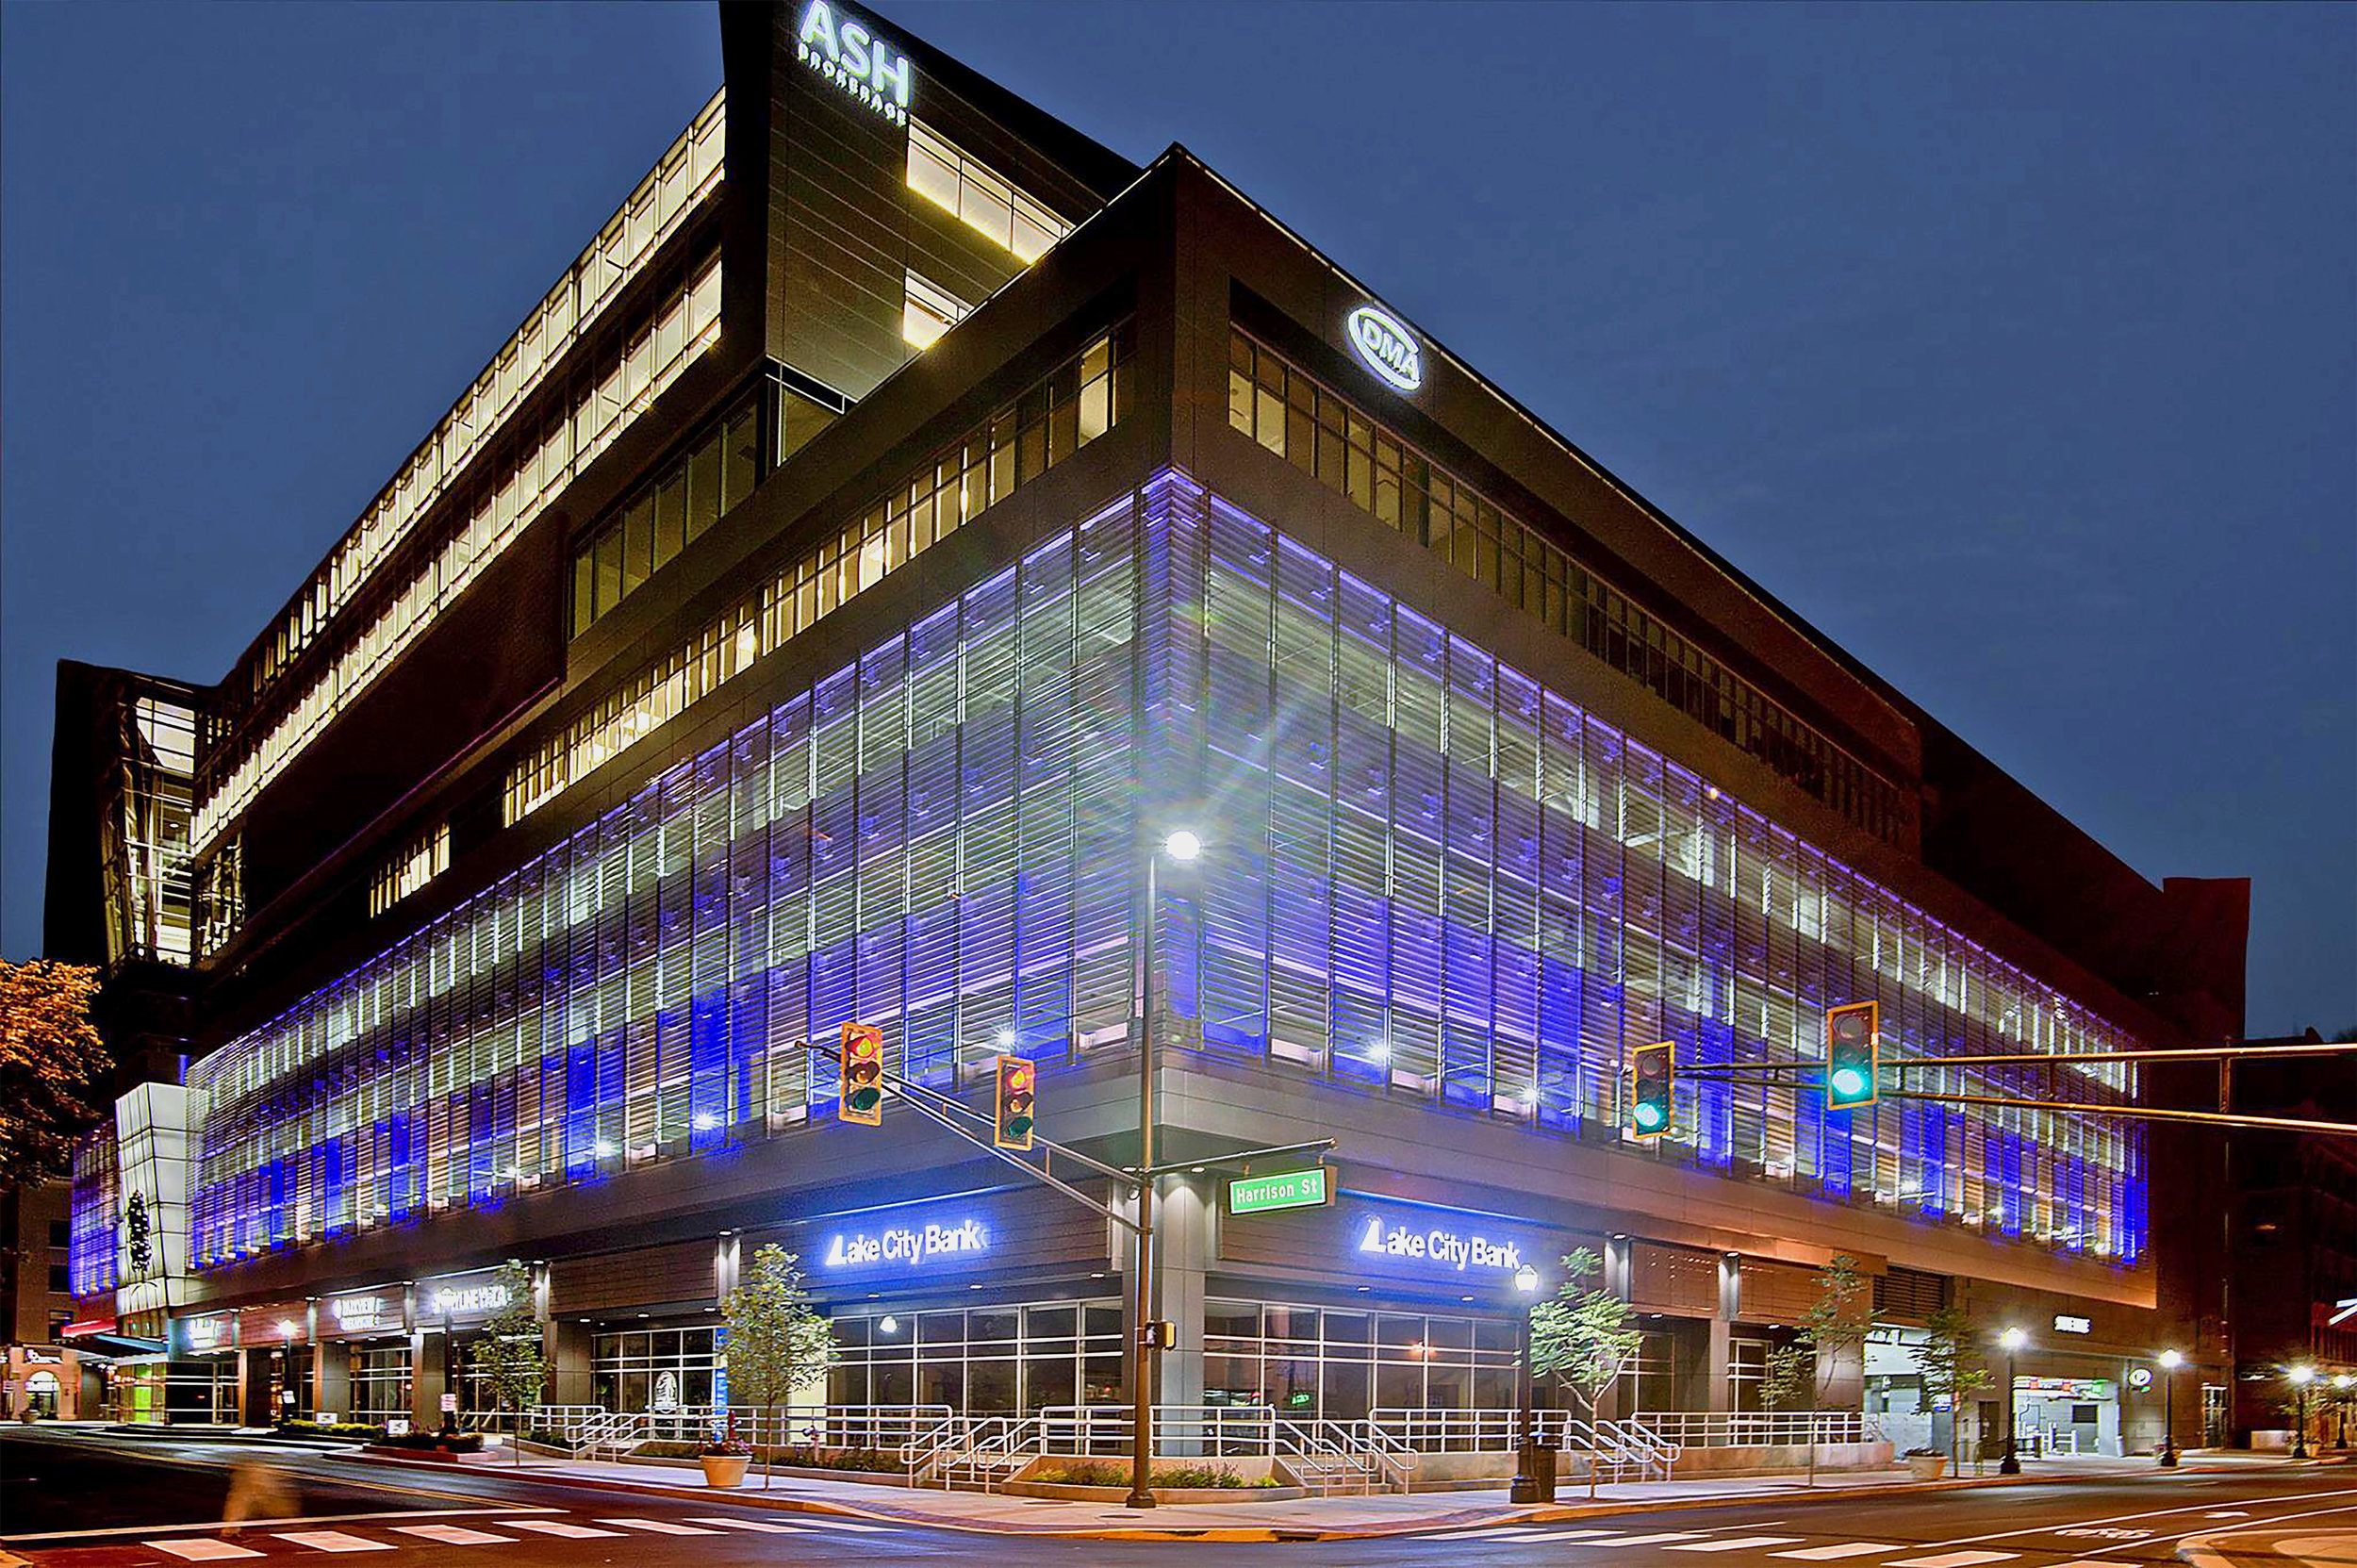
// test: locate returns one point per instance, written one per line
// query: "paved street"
(125, 1504)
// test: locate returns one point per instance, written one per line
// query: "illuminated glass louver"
(1424, 874)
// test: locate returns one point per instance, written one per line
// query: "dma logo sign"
(848, 54)
(1390, 350)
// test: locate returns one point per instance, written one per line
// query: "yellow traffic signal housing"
(1017, 1098)
(861, 1085)
(1652, 1089)
(1853, 1055)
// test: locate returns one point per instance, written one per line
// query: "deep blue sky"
(2015, 346)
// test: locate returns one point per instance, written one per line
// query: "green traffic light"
(1847, 1082)
(1648, 1116)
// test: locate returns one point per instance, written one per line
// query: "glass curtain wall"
(1487, 894)
(1340, 1365)
(980, 1360)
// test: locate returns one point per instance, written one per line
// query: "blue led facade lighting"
(1432, 875)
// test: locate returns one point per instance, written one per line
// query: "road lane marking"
(1739, 1543)
(201, 1549)
(1952, 1559)
(660, 1527)
(2095, 1562)
(452, 1535)
(559, 1527)
(746, 1524)
(1647, 1539)
(1575, 1535)
(334, 1541)
(2123, 1518)
(500, 1513)
(1847, 1548)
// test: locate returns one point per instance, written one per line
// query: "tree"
(1583, 1337)
(509, 1353)
(777, 1343)
(1949, 1363)
(1799, 1374)
(53, 1068)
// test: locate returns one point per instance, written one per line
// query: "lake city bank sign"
(1390, 350)
(847, 53)
(1440, 1246)
(905, 1246)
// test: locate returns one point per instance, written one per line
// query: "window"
(986, 1361)
(986, 199)
(1307, 1362)
(427, 857)
(646, 532)
(59, 1283)
(930, 312)
(59, 1233)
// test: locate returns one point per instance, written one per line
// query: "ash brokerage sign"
(847, 52)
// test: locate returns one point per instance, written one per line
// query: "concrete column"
(571, 1382)
(1720, 1362)
(1185, 1248)
(425, 1379)
(331, 1379)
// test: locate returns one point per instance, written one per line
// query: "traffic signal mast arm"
(940, 1109)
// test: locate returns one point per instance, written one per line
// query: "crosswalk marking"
(1487, 1532)
(1577, 1535)
(453, 1535)
(557, 1528)
(2093, 1563)
(1738, 1544)
(334, 1541)
(1846, 1548)
(660, 1527)
(201, 1549)
(748, 1525)
(1952, 1559)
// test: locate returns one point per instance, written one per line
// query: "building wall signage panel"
(2070, 1323)
(1364, 1236)
(913, 1242)
(361, 1313)
(204, 1335)
(460, 1297)
(1775, 1292)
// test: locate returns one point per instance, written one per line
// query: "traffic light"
(863, 1075)
(1853, 1054)
(1016, 1082)
(1652, 1074)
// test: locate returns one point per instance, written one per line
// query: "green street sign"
(1292, 1189)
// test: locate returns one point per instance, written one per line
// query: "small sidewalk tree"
(1950, 1366)
(1583, 1338)
(1800, 1376)
(777, 1343)
(509, 1354)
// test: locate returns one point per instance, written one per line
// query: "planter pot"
(1927, 1467)
(724, 1469)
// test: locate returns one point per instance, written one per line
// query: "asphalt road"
(118, 1495)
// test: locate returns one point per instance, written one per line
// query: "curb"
(1462, 1519)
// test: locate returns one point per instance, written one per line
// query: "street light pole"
(2301, 1377)
(2170, 1360)
(2341, 1381)
(1147, 1358)
(2011, 1463)
(1527, 1487)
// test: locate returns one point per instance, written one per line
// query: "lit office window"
(929, 311)
(987, 200)
(419, 863)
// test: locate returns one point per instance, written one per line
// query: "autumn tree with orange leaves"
(53, 1068)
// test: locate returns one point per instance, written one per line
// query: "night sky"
(2016, 347)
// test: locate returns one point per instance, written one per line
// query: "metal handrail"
(1761, 1428)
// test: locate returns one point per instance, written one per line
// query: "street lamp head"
(1182, 844)
(2171, 1360)
(2302, 1374)
(2013, 1339)
(2342, 1379)
(1526, 1280)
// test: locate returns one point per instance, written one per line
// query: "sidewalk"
(1297, 1519)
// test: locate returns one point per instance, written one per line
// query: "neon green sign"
(1292, 1189)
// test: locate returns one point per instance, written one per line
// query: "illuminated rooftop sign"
(849, 54)
(1390, 350)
